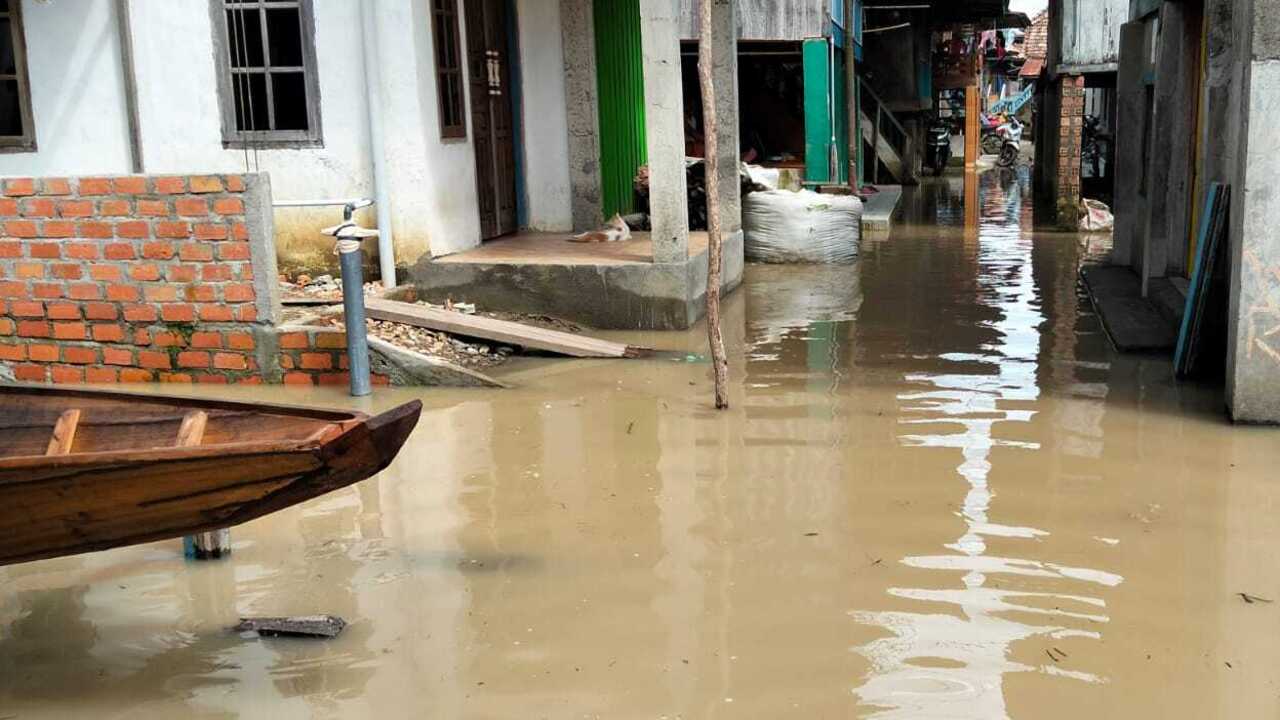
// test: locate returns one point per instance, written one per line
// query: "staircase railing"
(884, 125)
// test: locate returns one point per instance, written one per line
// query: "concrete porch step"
(1133, 322)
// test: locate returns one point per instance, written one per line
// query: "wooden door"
(492, 126)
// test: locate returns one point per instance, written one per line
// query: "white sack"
(1095, 217)
(780, 226)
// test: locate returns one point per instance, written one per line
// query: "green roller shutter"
(620, 88)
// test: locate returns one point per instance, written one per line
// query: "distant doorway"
(492, 123)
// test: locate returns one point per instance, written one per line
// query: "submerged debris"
(325, 626)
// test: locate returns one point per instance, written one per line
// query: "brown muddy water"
(938, 494)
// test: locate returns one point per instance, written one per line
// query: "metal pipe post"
(351, 257)
(377, 148)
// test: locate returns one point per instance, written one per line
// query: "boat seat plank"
(64, 433)
(191, 432)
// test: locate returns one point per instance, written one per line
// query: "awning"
(1032, 67)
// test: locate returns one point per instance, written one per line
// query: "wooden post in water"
(710, 127)
(851, 98)
(214, 543)
(972, 128)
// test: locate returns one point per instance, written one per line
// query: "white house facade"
(114, 87)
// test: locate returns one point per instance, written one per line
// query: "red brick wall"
(131, 279)
(1070, 132)
(316, 356)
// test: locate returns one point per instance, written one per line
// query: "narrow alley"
(938, 493)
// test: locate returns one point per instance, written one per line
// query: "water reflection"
(937, 439)
(953, 663)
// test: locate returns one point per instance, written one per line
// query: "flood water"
(938, 494)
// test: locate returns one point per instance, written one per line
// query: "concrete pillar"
(1253, 352)
(664, 129)
(1131, 128)
(724, 70)
(577, 30)
(1172, 136)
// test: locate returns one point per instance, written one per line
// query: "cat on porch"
(616, 230)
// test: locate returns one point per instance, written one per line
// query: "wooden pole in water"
(851, 97)
(214, 543)
(711, 163)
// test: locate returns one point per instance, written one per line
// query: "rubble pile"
(320, 287)
(305, 290)
(468, 353)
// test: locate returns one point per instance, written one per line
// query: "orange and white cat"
(616, 230)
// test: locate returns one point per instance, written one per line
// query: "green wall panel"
(817, 110)
(620, 89)
(822, 103)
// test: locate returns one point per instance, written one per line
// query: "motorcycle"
(990, 141)
(939, 148)
(1010, 143)
(1092, 144)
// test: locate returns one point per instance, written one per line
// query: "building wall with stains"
(768, 19)
(81, 117)
(1091, 34)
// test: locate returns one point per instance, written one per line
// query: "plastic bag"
(1095, 217)
(780, 226)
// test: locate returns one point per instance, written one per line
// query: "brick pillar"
(1071, 119)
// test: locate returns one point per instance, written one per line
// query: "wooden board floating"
(500, 331)
(323, 626)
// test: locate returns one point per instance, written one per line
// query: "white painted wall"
(442, 185)
(82, 128)
(77, 91)
(545, 117)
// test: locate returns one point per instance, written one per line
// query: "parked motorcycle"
(1092, 140)
(1010, 142)
(990, 141)
(939, 149)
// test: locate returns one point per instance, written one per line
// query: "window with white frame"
(268, 86)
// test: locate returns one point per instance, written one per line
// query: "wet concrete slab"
(878, 208)
(1133, 322)
(938, 493)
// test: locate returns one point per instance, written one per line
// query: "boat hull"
(84, 502)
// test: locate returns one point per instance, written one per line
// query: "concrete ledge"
(637, 296)
(406, 367)
(1134, 323)
(878, 209)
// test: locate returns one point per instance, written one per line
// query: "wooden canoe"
(84, 470)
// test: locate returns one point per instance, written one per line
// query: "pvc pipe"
(315, 203)
(381, 190)
(350, 259)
